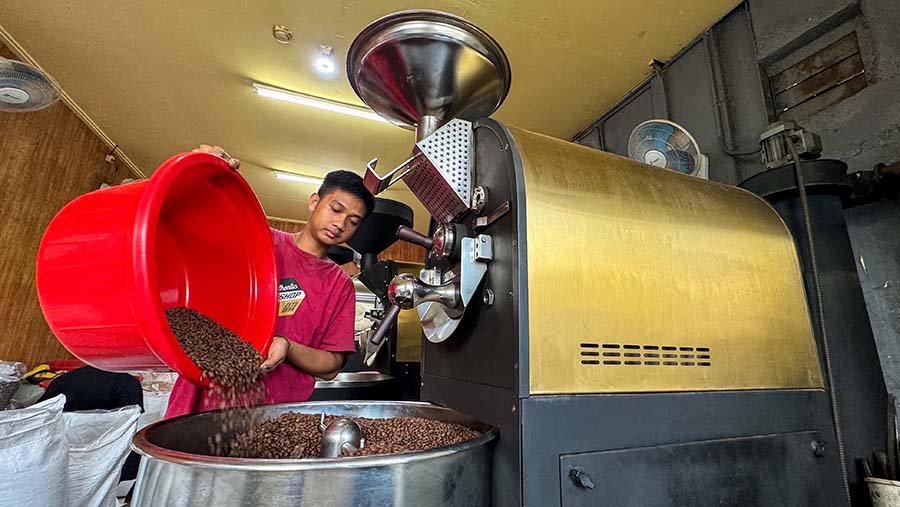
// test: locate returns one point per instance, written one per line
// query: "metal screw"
(818, 448)
(479, 199)
(510, 294)
(513, 408)
(488, 298)
(581, 479)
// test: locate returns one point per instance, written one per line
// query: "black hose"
(820, 316)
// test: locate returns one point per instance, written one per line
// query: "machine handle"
(407, 291)
(389, 318)
(411, 236)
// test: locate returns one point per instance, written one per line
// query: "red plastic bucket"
(113, 260)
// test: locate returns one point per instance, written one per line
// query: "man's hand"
(219, 152)
(277, 352)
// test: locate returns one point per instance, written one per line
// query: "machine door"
(765, 470)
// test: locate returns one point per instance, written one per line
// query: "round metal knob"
(443, 241)
(407, 292)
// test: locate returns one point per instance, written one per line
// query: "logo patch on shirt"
(290, 295)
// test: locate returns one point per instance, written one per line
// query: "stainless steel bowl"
(177, 469)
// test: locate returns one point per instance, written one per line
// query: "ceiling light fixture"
(324, 64)
(281, 175)
(316, 102)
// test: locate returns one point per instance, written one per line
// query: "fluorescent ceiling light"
(316, 102)
(281, 175)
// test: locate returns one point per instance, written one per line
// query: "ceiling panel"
(161, 77)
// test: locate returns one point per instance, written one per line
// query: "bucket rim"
(145, 287)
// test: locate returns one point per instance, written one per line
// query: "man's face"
(335, 216)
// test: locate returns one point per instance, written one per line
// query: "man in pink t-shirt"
(314, 331)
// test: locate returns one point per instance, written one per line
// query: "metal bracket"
(438, 321)
(439, 171)
(479, 199)
(476, 253)
(377, 184)
(484, 248)
(481, 223)
(431, 276)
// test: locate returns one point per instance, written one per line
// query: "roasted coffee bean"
(288, 436)
(299, 436)
(220, 354)
(231, 365)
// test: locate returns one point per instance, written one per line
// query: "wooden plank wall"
(290, 226)
(47, 158)
(405, 252)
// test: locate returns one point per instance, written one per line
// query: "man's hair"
(350, 183)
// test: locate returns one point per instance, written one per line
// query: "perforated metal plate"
(442, 181)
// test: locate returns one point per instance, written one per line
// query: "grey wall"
(863, 129)
(876, 244)
(712, 88)
(716, 88)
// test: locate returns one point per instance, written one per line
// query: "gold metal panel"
(409, 329)
(634, 257)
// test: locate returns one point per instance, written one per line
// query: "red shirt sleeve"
(339, 337)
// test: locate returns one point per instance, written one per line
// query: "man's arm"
(323, 364)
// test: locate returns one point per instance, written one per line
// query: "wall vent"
(820, 80)
(629, 354)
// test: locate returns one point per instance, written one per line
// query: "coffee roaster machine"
(637, 336)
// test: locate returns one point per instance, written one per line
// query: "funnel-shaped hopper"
(379, 230)
(424, 68)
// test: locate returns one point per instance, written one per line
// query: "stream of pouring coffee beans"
(229, 362)
(232, 366)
